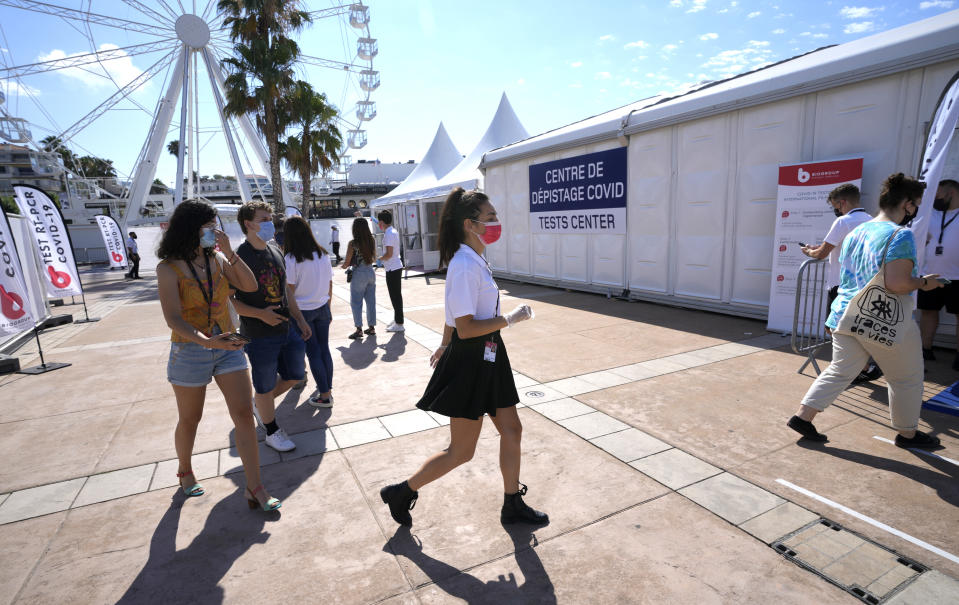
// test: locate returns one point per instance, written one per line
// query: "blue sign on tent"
(946, 402)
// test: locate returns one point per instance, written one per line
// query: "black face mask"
(940, 204)
(908, 218)
(837, 212)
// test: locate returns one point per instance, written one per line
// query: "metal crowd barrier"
(809, 317)
(91, 256)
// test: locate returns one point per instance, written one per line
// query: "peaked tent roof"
(440, 158)
(504, 129)
(925, 42)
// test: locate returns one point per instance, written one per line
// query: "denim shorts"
(284, 355)
(191, 365)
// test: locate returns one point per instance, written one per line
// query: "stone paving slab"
(405, 423)
(664, 551)
(731, 498)
(931, 587)
(439, 418)
(230, 459)
(115, 484)
(675, 468)
(358, 433)
(630, 444)
(205, 465)
(593, 425)
(561, 409)
(42, 500)
(538, 393)
(311, 443)
(778, 522)
(522, 381)
(23, 545)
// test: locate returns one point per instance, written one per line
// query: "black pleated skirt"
(465, 385)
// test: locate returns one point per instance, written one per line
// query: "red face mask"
(493, 230)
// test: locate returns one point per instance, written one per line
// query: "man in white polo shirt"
(394, 268)
(942, 258)
(845, 202)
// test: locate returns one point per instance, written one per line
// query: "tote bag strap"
(885, 250)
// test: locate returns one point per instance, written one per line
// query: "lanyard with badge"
(489, 352)
(942, 229)
(207, 298)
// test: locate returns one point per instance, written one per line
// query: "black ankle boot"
(517, 511)
(401, 500)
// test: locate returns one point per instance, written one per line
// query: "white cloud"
(676, 3)
(121, 69)
(734, 4)
(14, 88)
(521, 81)
(935, 4)
(698, 5)
(637, 44)
(576, 64)
(820, 35)
(709, 36)
(731, 62)
(858, 12)
(668, 48)
(858, 28)
(779, 31)
(603, 75)
(753, 14)
(607, 38)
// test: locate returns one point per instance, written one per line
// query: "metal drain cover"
(535, 394)
(867, 570)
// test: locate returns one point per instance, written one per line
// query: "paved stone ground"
(654, 438)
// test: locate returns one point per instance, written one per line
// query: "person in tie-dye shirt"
(860, 261)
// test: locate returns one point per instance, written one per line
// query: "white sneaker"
(316, 402)
(390, 326)
(256, 414)
(395, 328)
(280, 441)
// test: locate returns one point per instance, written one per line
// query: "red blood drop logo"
(11, 305)
(782, 248)
(117, 257)
(58, 278)
(780, 278)
(785, 214)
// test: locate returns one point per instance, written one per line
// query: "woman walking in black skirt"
(472, 375)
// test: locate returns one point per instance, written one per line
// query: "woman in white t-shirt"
(472, 375)
(309, 278)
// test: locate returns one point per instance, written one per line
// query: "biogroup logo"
(802, 176)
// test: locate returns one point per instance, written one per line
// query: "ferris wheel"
(183, 42)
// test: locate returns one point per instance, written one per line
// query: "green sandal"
(270, 505)
(193, 491)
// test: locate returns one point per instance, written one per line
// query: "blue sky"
(448, 61)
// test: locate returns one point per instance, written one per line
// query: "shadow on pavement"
(193, 574)
(394, 347)
(360, 354)
(945, 482)
(537, 587)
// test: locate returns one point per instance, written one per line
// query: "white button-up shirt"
(470, 289)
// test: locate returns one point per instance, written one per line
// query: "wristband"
(233, 259)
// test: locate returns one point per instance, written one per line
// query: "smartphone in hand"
(801, 245)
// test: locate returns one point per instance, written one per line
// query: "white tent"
(417, 203)
(440, 158)
(702, 168)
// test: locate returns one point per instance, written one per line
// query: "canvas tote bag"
(876, 314)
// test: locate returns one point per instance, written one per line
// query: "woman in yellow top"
(194, 282)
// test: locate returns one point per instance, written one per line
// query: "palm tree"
(314, 149)
(55, 144)
(173, 147)
(261, 72)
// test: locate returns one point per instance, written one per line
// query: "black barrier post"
(44, 366)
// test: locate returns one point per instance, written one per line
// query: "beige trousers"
(901, 364)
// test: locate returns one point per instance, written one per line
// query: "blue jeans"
(363, 287)
(318, 347)
(272, 355)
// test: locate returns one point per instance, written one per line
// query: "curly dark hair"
(298, 240)
(898, 188)
(182, 237)
(459, 205)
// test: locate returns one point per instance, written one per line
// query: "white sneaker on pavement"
(395, 328)
(390, 326)
(280, 441)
